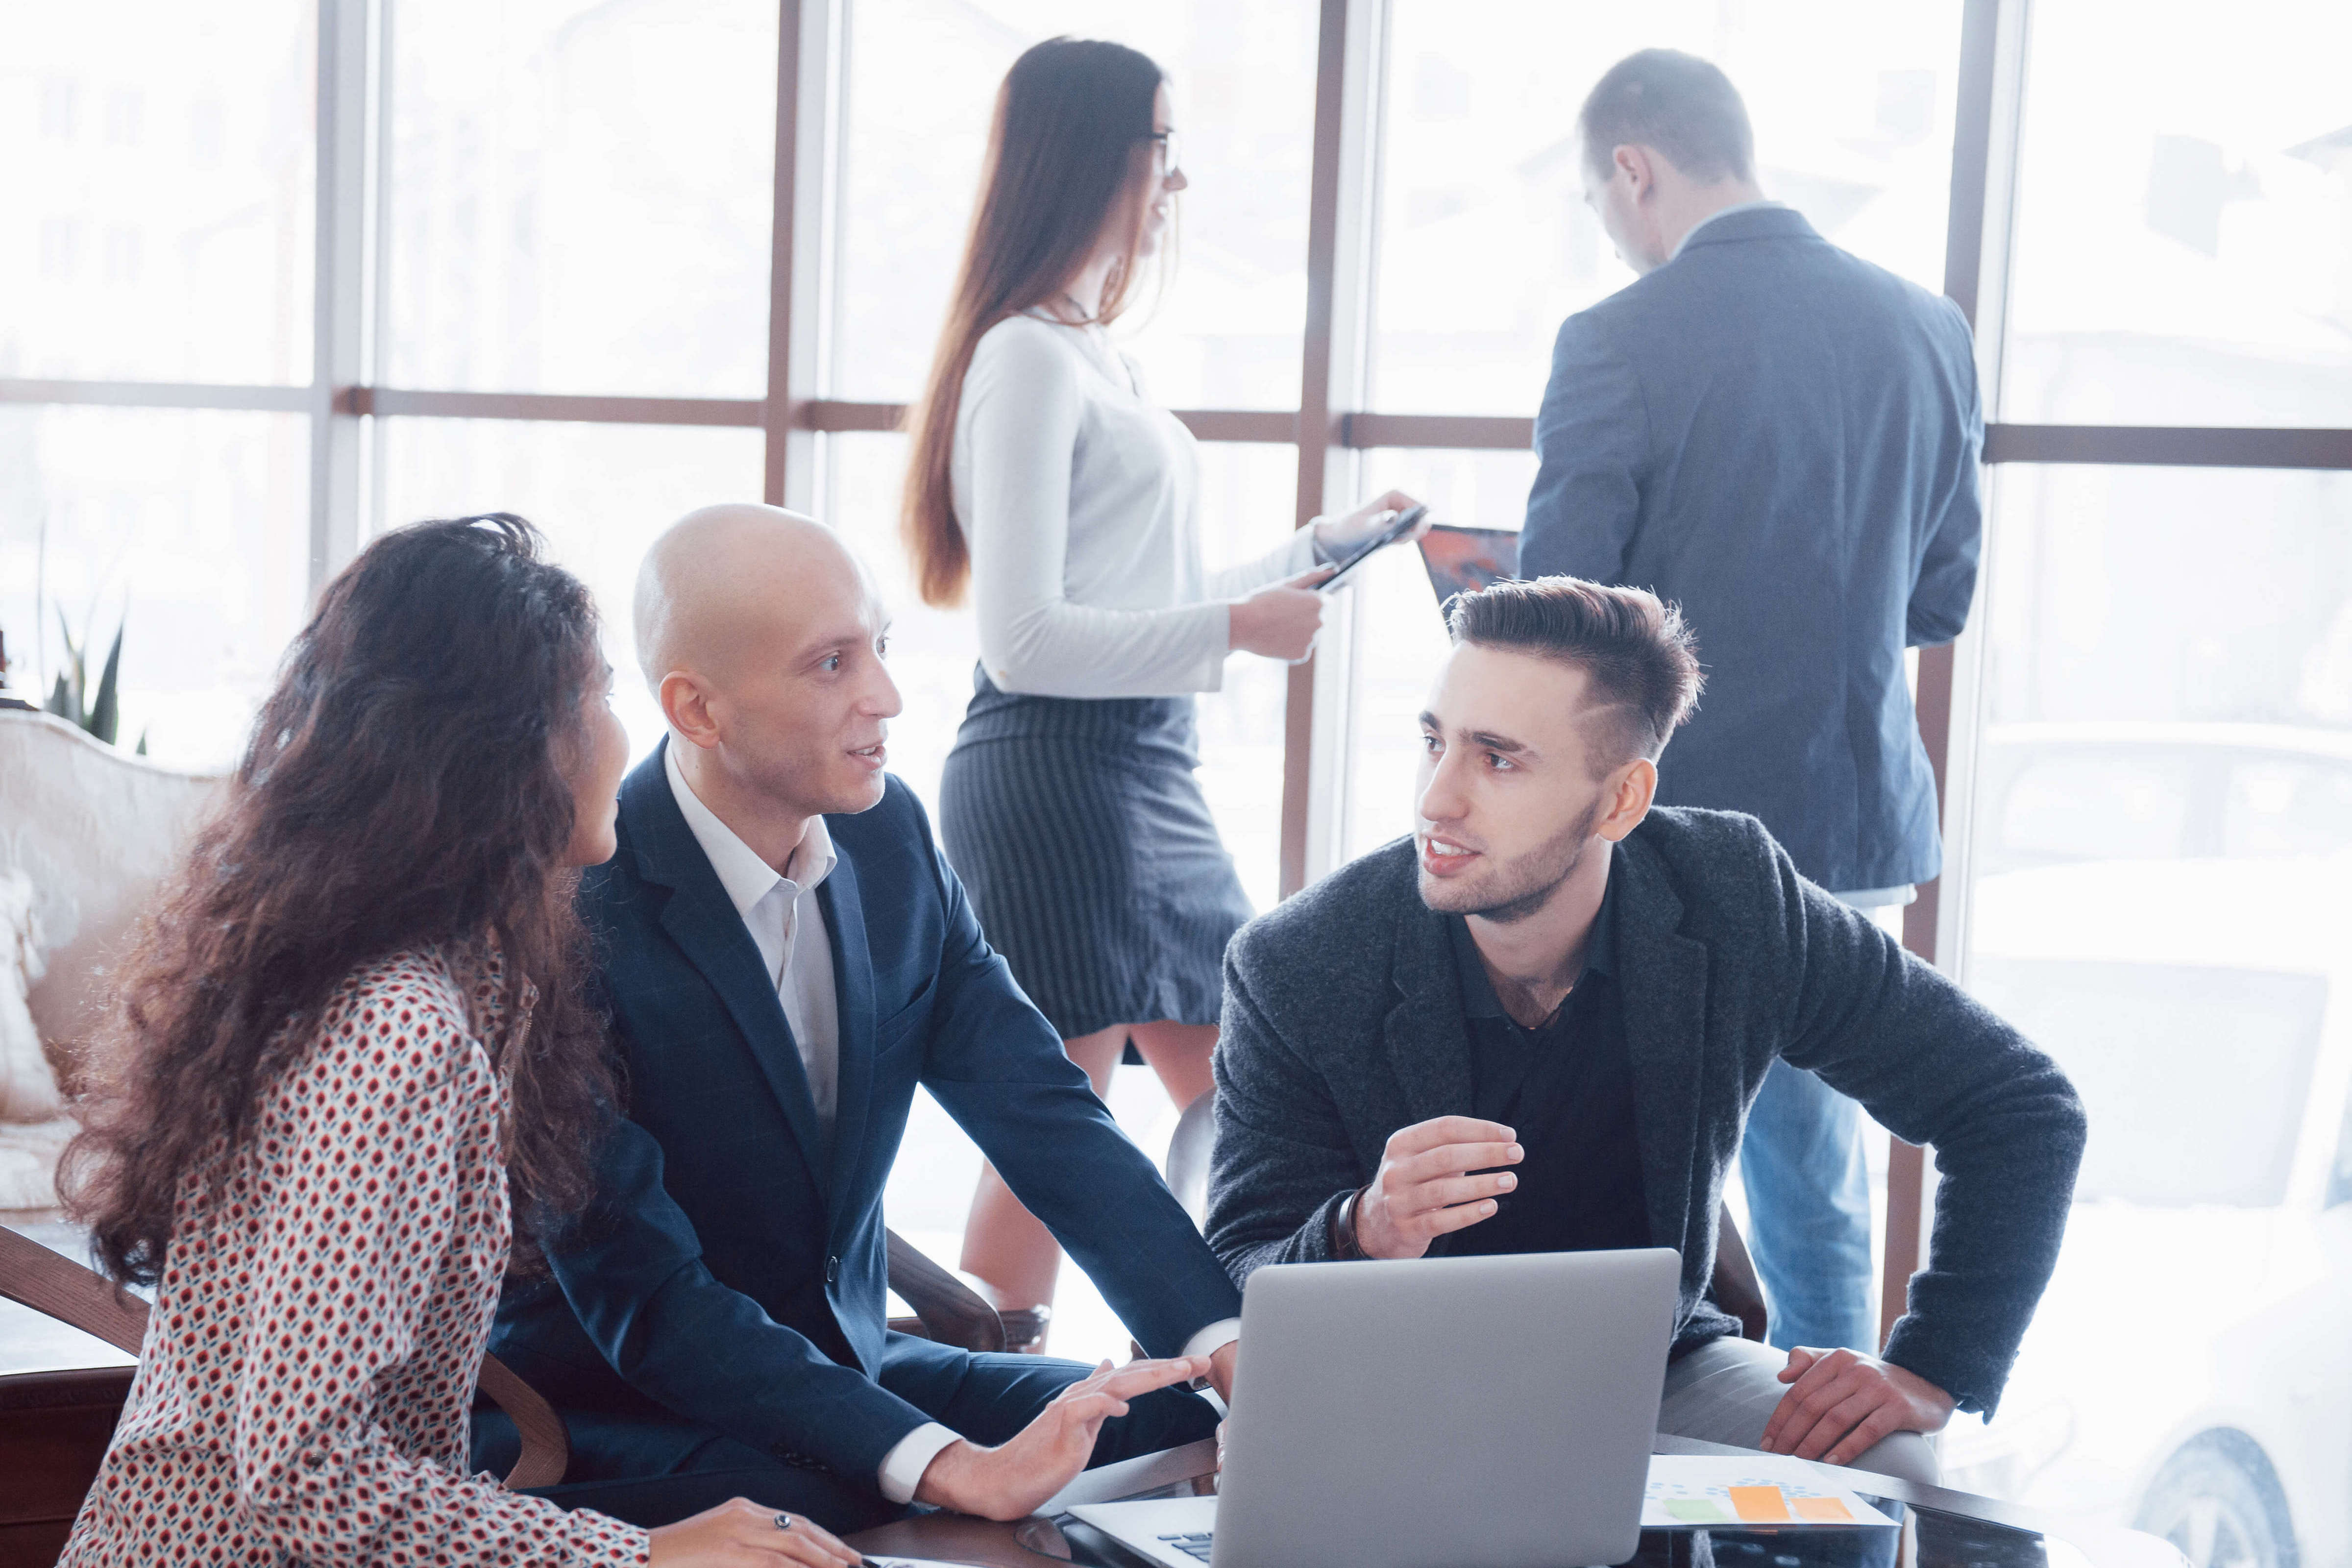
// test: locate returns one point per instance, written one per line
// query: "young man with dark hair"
(1782, 439)
(1538, 1023)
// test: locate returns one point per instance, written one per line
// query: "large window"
(1486, 242)
(276, 276)
(2184, 219)
(579, 197)
(2163, 805)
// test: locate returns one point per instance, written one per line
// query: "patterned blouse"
(311, 1362)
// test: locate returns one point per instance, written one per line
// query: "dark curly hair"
(405, 784)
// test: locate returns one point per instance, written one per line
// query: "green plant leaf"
(106, 713)
(58, 699)
(142, 742)
(71, 677)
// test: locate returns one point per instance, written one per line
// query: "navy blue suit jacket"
(1783, 439)
(732, 1269)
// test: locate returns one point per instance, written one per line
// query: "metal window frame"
(1328, 429)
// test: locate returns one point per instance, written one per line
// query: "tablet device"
(1464, 560)
(1399, 526)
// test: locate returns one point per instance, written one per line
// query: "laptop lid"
(1479, 1412)
(1464, 560)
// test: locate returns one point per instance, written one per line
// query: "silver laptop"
(1478, 1412)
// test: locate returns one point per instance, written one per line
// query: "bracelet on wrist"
(1344, 1242)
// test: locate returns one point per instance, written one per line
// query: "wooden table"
(1942, 1529)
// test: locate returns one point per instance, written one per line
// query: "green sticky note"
(1697, 1510)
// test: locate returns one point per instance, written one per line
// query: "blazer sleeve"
(1284, 1164)
(1591, 436)
(1947, 566)
(996, 1066)
(341, 1281)
(633, 1272)
(1936, 1068)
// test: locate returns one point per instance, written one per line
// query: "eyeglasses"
(1165, 140)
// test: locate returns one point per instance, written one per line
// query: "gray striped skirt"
(1090, 857)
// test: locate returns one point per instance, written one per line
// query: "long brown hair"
(404, 785)
(1061, 149)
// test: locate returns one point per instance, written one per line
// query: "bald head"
(763, 642)
(723, 580)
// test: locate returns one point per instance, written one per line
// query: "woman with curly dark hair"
(351, 1069)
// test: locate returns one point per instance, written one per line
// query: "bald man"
(785, 955)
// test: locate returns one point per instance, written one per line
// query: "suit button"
(831, 1270)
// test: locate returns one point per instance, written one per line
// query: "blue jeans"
(1808, 1212)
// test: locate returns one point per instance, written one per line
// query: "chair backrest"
(1190, 1149)
(93, 829)
(1194, 1143)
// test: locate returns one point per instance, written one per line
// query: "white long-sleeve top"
(1079, 500)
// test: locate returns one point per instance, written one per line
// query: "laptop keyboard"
(1195, 1546)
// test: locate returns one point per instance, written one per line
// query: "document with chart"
(1693, 1492)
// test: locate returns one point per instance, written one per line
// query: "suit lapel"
(1663, 975)
(853, 972)
(701, 918)
(1428, 1040)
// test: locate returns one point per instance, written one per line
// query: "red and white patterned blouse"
(304, 1388)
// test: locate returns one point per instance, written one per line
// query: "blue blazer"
(1782, 439)
(732, 1269)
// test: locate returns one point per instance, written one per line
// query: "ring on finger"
(784, 1521)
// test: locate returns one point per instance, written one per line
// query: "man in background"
(1782, 439)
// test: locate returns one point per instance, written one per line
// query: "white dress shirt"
(1079, 500)
(787, 923)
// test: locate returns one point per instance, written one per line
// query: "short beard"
(1528, 882)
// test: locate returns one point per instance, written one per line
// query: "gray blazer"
(1343, 1023)
(1781, 439)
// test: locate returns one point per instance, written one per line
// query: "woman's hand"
(743, 1534)
(1280, 622)
(1340, 537)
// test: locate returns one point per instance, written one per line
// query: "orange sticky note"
(1822, 1510)
(1759, 1505)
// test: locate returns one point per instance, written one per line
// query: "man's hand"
(1221, 1370)
(1423, 1188)
(1009, 1481)
(1840, 1403)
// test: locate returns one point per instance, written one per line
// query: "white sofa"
(87, 833)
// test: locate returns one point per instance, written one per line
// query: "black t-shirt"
(1567, 1087)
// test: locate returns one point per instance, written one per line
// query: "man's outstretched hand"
(1840, 1403)
(1010, 1480)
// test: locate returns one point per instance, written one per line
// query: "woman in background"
(1042, 476)
(350, 1065)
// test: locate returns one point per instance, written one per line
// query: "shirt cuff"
(1213, 1337)
(903, 1466)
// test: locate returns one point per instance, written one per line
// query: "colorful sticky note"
(1697, 1510)
(1822, 1510)
(1759, 1505)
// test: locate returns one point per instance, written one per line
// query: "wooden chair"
(55, 1426)
(1735, 1287)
